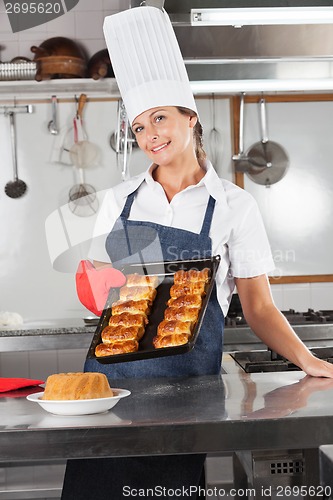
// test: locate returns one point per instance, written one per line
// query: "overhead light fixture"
(239, 17)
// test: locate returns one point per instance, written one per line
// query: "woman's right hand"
(93, 285)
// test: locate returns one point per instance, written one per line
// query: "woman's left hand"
(318, 367)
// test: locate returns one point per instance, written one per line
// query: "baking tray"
(165, 271)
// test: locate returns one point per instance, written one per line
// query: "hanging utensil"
(242, 163)
(82, 198)
(83, 153)
(268, 159)
(215, 138)
(52, 125)
(122, 141)
(15, 188)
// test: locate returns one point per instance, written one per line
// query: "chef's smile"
(157, 149)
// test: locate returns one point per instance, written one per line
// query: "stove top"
(236, 318)
(270, 361)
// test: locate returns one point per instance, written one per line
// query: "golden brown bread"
(116, 348)
(185, 301)
(128, 319)
(167, 327)
(131, 306)
(112, 334)
(141, 280)
(193, 275)
(129, 316)
(182, 314)
(76, 386)
(190, 288)
(170, 340)
(137, 293)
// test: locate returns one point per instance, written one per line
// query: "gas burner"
(310, 316)
(236, 318)
(270, 361)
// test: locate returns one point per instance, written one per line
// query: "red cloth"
(93, 285)
(11, 384)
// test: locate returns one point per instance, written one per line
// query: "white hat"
(147, 61)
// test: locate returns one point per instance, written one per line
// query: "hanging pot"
(268, 161)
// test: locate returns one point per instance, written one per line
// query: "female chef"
(178, 209)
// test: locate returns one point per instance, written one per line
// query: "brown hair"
(197, 134)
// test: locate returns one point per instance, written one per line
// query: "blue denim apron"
(131, 241)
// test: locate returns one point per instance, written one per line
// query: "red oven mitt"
(10, 384)
(93, 285)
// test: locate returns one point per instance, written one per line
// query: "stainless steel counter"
(209, 414)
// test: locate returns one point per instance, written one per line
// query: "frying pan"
(268, 161)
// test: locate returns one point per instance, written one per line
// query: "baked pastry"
(129, 316)
(182, 314)
(116, 348)
(142, 280)
(167, 327)
(127, 319)
(185, 301)
(170, 340)
(131, 306)
(112, 334)
(193, 276)
(137, 293)
(75, 386)
(189, 288)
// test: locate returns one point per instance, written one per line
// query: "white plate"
(79, 407)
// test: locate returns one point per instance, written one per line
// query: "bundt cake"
(74, 386)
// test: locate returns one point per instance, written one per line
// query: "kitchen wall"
(29, 283)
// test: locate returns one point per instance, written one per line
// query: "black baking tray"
(165, 271)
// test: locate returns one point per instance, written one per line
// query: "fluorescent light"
(238, 17)
(255, 86)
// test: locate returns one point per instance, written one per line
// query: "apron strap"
(207, 222)
(128, 205)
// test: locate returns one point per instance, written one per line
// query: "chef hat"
(147, 61)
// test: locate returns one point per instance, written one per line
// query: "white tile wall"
(302, 296)
(321, 295)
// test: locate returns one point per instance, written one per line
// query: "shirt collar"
(211, 181)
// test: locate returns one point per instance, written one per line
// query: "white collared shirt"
(237, 231)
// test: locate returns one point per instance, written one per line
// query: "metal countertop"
(210, 414)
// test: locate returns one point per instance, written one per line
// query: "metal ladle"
(15, 188)
(52, 125)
